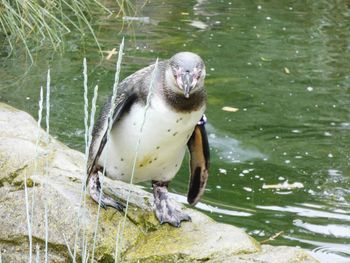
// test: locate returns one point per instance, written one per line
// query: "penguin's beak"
(187, 84)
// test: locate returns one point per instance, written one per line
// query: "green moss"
(10, 177)
(178, 258)
(19, 184)
(146, 220)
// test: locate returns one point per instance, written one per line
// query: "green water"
(283, 64)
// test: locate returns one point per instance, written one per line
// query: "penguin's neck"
(178, 102)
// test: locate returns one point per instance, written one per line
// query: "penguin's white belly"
(163, 142)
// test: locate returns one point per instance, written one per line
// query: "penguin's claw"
(108, 201)
(102, 204)
(95, 192)
(172, 216)
(167, 210)
(115, 204)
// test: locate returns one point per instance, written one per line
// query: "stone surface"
(53, 174)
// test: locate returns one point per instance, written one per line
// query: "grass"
(109, 128)
(137, 148)
(87, 256)
(36, 23)
(39, 24)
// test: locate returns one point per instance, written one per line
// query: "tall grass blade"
(29, 226)
(37, 258)
(110, 114)
(68, 247)
(117, 245)
(40, 112)
(91, 126)
(47, 162)
(148, 103)
(86, 106)
(86, 117)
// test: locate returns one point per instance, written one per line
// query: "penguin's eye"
(199, 74)
(174, 72)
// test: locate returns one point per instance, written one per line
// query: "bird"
(164, 103)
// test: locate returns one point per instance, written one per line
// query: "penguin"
(171, 115)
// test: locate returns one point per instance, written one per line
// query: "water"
(285, 66)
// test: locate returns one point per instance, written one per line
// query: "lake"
(283, 65)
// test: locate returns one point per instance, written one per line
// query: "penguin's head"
(185, 73)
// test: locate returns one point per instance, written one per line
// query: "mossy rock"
(54, 173)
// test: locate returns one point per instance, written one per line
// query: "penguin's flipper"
(122, 104)
(199, 163)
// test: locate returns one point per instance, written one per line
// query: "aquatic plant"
(33, 23)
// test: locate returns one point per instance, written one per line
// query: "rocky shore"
(53, 173)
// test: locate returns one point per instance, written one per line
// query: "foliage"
(46, 22)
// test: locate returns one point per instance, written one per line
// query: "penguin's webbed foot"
(167, 210)
(95, 192)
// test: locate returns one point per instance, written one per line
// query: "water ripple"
(339, 231)
(307, 212)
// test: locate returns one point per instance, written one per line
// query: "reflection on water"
(285, 66)
(307, 212)
(331, 229)
(210, 208)
(228, 149)
(327, 252)
(333, 253)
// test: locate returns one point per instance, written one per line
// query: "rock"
(53, 174)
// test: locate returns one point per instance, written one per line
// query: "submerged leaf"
(230, 109)
(265, 59)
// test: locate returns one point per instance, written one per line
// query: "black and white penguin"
(174, 121)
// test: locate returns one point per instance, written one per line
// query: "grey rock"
(53, 174)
